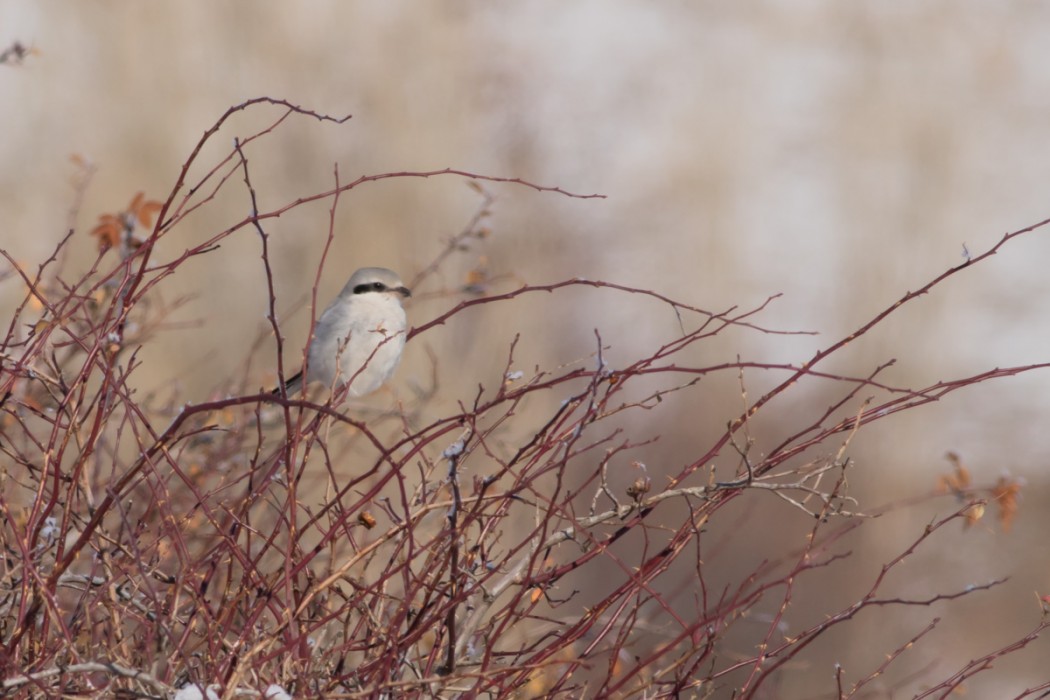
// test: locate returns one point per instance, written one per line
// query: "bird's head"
(376, 280)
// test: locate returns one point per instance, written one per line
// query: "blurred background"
(838, 153)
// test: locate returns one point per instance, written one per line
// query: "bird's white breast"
(366, 332)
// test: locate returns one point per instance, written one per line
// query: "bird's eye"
(370, 287)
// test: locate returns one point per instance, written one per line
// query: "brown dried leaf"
(476, 276)
(1006, 494)
(136, 201)
(34, 302)
(146, 212)
(956, 482)
(108, 231)
(639, 488)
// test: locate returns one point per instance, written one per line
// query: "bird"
(358, 339)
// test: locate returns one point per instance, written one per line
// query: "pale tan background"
(841, 153)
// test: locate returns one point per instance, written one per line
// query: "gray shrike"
(359, 337)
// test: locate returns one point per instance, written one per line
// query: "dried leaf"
(973, 515)
(108, 231)
(112, 228)
(639, 488)
(34, 302)
(958, 481)
(476, 276)
(145, 213)
(136, 201)
(1006, 494)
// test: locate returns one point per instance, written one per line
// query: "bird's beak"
(403, 291)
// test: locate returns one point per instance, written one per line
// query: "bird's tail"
(291, 385)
